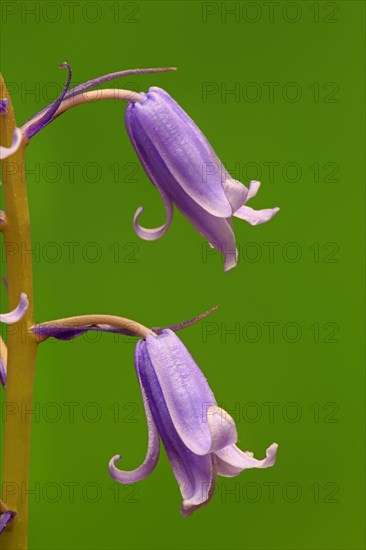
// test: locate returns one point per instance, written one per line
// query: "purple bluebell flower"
(199, 437)
(186, 171)
(10, 318)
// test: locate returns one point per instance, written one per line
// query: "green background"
(310, 374)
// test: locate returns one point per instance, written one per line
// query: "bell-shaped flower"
(186, 171)
(199, 437)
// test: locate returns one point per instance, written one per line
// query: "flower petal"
(236, 192)
(185, 389)
(194, 473)
(47, 114)
(218, 231)
(230, 461)
(148, 234)
(254, 186)
(185, 150)
(153, 450)
(222, 428)
(5, 152)
(255, 217)
(18, 313)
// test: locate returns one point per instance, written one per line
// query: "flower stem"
(95, 320)
(22, 345)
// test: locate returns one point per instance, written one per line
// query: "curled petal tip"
(5, 152)
(18, 313)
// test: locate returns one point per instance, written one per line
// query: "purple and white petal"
(5, 152)
(185, 389)
(153, 450)
(218, 231)
(185, 152)
(222, 428)
(254, 186)
(230, 461)
(18, 313)
(255, 217)
(235, 191)
(157, 232)
(148, 234)
(194, 473)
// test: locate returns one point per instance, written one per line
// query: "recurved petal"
(222, 428)
(157, 232)
(185, 151)
(254, 186)
(230, 461)
(153, 450)
(194, 473)
(18, 313)
(255, 217)
(148, 234)
(5, 152)
(236, 193)
(185, 389)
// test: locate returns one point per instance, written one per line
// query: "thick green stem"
(22, 346)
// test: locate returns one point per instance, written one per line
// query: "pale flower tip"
(6, 152)
(18, 313)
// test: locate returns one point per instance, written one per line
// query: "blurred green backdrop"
(277, 88)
